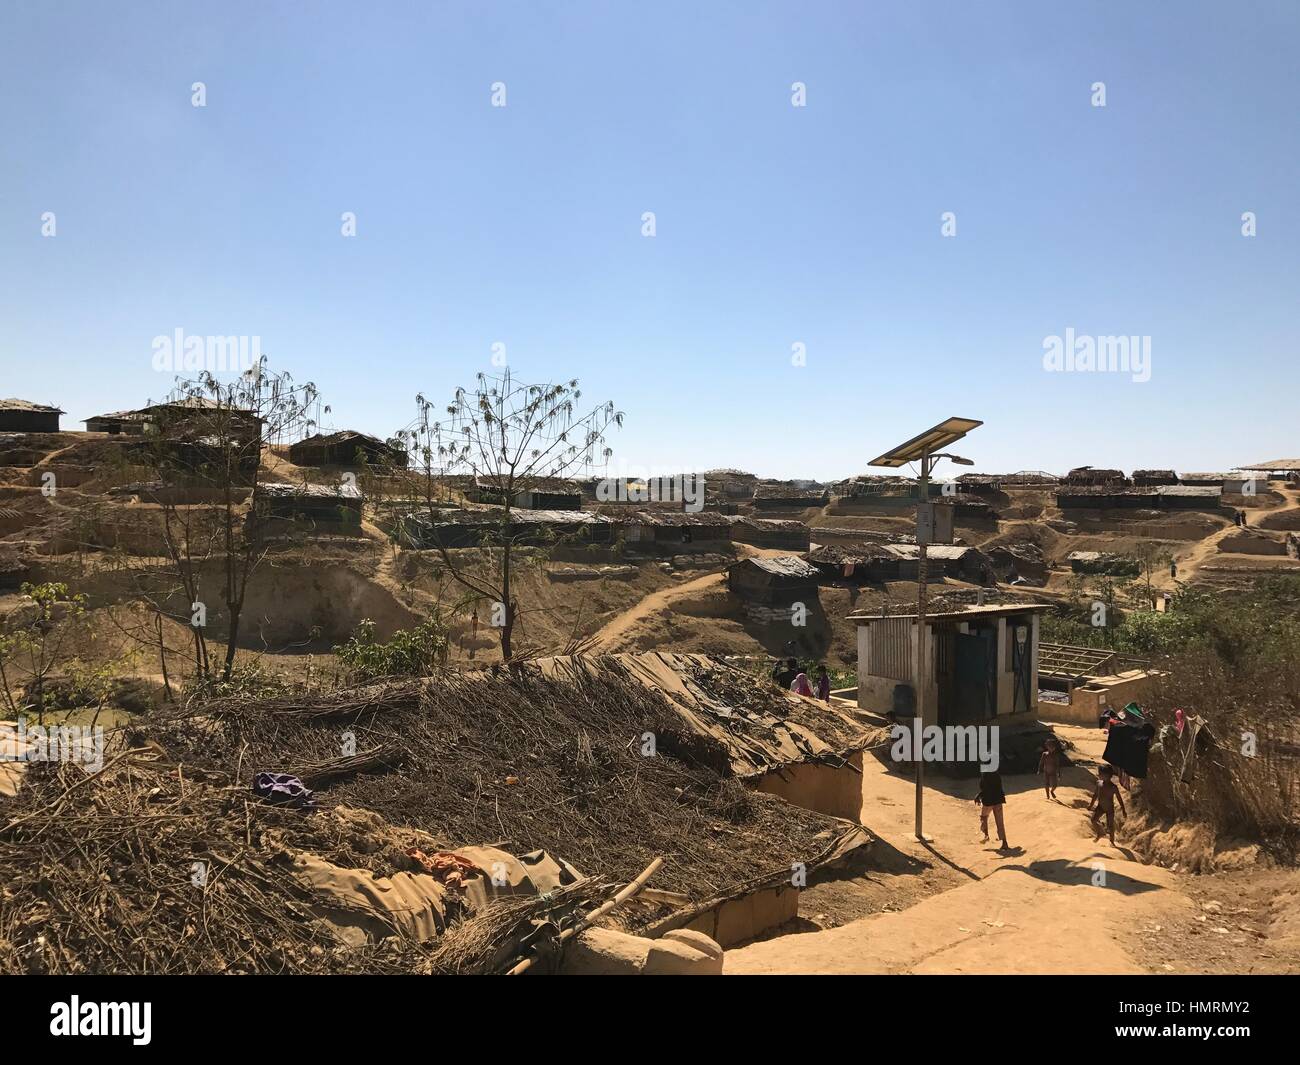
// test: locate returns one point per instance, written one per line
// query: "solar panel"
(928, 442)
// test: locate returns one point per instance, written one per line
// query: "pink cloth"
(800, 685)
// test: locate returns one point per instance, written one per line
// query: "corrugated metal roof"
(783, 566)
(319, 491)
(968, 611)
(953, 552)
(493, 516)
(769, 524)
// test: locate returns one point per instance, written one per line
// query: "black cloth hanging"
(1127, 747)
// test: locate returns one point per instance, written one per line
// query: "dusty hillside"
(310, 594)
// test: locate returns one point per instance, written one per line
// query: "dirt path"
(654, 603)
(1056, 903)
(1191, 562)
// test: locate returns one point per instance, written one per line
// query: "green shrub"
(416, 652)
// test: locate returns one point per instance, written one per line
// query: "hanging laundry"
(1128, 744)
(1196, 725)
(282, 789)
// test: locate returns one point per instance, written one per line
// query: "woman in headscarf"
(800, 685)
(823, 684)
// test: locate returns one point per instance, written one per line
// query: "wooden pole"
(599, 912)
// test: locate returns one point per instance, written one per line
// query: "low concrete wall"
(1086, 701)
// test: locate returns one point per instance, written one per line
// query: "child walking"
(1104, 799)
(991, 799)
(1049, 764)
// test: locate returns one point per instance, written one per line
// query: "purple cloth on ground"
(281, 789)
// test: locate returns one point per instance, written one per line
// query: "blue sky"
(775, 224)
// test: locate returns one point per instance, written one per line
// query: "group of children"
(992, 798)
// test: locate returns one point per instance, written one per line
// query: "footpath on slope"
(1055, 903)
(607, 639)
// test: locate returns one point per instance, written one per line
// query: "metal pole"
(923, 486)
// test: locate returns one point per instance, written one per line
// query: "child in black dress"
(991, 800)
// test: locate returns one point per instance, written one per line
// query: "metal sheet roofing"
(992, 610)
(783, 566)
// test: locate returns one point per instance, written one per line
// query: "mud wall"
(832, 790)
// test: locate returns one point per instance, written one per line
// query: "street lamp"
(924, 448)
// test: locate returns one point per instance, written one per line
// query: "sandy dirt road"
(1056, 903)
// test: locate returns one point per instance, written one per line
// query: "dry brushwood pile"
(525, 761)
(736, 689)
(97, 875)
(760, 726)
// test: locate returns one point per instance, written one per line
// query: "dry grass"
(512, 757)
(98, 878)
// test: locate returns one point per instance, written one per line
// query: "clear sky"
(775, 225)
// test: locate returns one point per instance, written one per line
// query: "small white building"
(982, 663)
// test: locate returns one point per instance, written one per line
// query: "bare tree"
(204, 446)
(510, 439)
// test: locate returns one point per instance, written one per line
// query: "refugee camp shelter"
(783, 579)
(732, 484)
(456, 528)
(329, 508)
(1278, 469)
(1088, 475)
(1150, 477)
(855, 563)
(347, 447)
(1030, 479)
(536, 493)
(670, 530)
(191, 416)
(23, 416)
(1233, 483)
(1020, 563)
(980, 483)
(982, 663)
(780, 533)
(887, 488)
(1153, 497)
(952, 560)
(789, 496)
(128, 422)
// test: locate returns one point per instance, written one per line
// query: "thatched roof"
(27, 406)
(1275, 465)
(550, 755)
